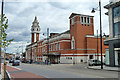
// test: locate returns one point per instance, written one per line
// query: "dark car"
(16, 63)
(10, 61)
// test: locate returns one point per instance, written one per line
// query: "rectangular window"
(51, 47)
(42, 49)
(85, 19)
(38, 50)
(73, 44)
(116, 29)
(72, 21)
(35, 50)
(116, 11)
(59, 45)
(88, 20)
(56, 47)
(82, 19)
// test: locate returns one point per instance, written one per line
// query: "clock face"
(35, 24)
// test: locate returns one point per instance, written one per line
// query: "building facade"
(113, 53)
(72, 46)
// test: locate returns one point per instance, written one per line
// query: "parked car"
(93, 62)
(16, 63)
(10, 61)
(6, 59)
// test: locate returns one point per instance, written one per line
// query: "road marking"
(15, 67)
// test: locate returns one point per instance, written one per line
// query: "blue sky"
(50, 13)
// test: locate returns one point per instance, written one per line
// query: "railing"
(8, 77)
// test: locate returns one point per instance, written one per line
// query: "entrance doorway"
(54, 59)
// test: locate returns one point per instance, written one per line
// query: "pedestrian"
(30, 61)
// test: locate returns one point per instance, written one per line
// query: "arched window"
(73, 43)
(72, 21)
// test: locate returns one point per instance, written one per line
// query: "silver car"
(93, 62)
(16, 62)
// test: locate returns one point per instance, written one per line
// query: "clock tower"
(35, 30)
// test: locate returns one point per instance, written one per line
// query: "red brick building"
(72, 46)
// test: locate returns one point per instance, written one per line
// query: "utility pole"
(1, 32)
(97, 46)
(48, 42)
(30, 59)
(101, 34)
(93, 11)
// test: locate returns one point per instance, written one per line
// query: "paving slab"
(105, 68)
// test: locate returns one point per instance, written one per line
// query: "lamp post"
(93, 11)
(31, 55)
(48, 42)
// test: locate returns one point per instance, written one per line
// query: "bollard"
(5, 70)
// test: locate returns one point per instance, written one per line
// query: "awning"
(116, 42)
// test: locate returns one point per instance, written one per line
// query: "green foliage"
(3, 34)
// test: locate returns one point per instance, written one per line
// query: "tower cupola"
(35, 30)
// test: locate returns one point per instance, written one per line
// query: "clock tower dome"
(35, 30)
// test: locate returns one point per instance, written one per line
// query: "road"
(66, 71)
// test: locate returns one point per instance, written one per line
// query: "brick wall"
(92, 44)
(79, 31)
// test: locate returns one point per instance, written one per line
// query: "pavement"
(105, 68)
(0, 76)
(16, 73)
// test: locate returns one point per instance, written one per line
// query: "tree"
(3, 35)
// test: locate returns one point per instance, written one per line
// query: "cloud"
(54, 0)
(51, 14)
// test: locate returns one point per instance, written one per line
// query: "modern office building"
(113, 53)
(72, 46)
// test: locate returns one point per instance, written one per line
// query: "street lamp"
(93, 11)
(31, 55)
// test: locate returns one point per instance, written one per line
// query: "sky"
(52, 14)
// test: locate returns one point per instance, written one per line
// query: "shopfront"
(113, 53)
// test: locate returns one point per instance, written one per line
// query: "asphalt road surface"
(66, 71)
